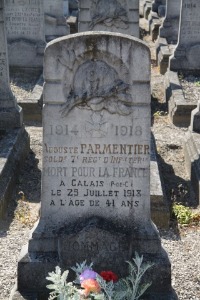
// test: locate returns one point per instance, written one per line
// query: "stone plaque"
(113, 15)
(96, 160)
(170, 26)
(10, 112)
(25, 32)
(186, 56)
(25, 19)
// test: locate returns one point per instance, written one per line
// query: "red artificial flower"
(109, 276)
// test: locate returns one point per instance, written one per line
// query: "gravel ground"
(191, 87)
(182, 244)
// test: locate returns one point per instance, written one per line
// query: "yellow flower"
(90, 286)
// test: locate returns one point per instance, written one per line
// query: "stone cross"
(10, 112)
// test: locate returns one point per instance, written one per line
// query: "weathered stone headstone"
(10, 112)
(186, 55)
(170, 26)
(25, 32)
(114, 15)
(96, 161)
(55, 20)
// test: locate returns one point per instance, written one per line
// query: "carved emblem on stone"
(96, 126)
(97, 86)
(109, 13)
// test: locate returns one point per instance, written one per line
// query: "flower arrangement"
(104, 286)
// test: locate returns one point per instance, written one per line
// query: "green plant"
(97, 288)
(62, 290)
(197, 83)
(182, 213)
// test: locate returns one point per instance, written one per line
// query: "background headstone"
(10, 112)
(55, 20)
(186, 55)
(157, 3)
(25, 33)
(114, 15)
(170, 26)
(96, 161)
(73, 5)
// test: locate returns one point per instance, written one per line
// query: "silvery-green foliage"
(133, 282)
(129, 288)
(80, 268)
(62, 290)
(108, 287)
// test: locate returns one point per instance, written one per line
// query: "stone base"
(163, 57)
(147, 9)
(96, 240)
(186, 60)
(195, 119)
(160, 212)
(154, 28)
(55, 27)
(72, 21)
(192, 162)
(160, 42)
(32, 106)
(14, 147)
(11, 118)
(25, 54)
(179, 109)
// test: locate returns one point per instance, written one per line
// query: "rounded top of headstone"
(97, 35)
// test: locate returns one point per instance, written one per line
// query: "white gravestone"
(186, 55)
(113, 15)
(25, 32)
(96, 160)
(10, 112)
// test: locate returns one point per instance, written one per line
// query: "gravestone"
(157, 3)
(186, 56)
(114, 15)
(73, 5)
(96, 162)
(55, 20)
(10, 112)
(168, 35)
(25, 33)
(170, 26)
